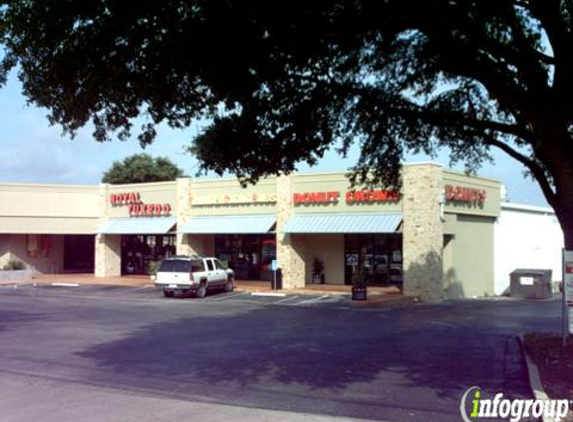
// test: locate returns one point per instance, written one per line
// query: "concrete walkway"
(377, 296)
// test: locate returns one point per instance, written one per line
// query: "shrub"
(152, 267)
(14, 265)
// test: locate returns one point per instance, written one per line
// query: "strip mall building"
(434, 238)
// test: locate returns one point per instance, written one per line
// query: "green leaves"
(283, 81)
(142, 168)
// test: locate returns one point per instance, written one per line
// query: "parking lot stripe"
(227, 297)
(285, 299)
(309, 301)
(142, 288)
(269, 294)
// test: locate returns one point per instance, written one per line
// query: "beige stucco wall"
(14, 246)
(227, 197)
(48, 209)
(330, 249)
(198, 244)
(472, 272)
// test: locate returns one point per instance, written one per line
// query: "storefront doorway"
(249, 256)
(379, 256)
(79, 253)
(139, 252)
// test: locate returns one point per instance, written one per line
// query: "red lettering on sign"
(125, 198)
(315, 197)
(136, 207)
(465, 195)
(332, 197)
(368, 196)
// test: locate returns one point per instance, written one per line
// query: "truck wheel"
(201, 291)
(229, 285)
(168, 293)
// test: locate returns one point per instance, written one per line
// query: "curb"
(534, 380)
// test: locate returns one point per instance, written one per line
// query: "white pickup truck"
(193, 274)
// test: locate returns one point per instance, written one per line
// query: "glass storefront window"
(249, 256)
(379, 256)
(137, 251)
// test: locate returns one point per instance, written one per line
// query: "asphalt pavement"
(97, 353)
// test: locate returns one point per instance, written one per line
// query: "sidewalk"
(377, 296)
(131, 280)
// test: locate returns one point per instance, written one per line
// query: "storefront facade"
(433, 238)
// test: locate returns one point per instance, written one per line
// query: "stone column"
(422, 230)
(108, 255)
(107, 247)
(290, 248)
(184, 212)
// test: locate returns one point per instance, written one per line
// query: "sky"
(32, 151)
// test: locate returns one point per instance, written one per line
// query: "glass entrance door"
(378, 256)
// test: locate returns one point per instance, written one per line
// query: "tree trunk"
(561, 169)
(555, 151)
(564, 214)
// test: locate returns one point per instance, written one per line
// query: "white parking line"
(309, 301)
(142, 288)
(270, 294)
(227, 297)
(65, 284)
(284, 300)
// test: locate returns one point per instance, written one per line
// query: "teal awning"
(343, 223)
(138, 225)
(229, 224)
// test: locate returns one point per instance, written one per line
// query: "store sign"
(372, 196)
(245, 198)
(316, 198)
(568, 292)
(351, 197)
(136, 207)
(465, 195)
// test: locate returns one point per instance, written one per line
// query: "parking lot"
(155, 294)
(97, 353)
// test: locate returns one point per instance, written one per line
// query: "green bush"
(14, 265)
(152, 267)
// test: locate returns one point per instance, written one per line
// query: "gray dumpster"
(530, 284)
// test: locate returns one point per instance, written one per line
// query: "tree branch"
(535, 168)
(440, 117)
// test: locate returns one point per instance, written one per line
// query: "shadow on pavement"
(356, 356)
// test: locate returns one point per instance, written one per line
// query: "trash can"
(359, 292)
(526, 283)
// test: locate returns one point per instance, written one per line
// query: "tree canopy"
(141, 168)
(284, 81)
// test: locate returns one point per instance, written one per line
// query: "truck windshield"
(181, 266)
